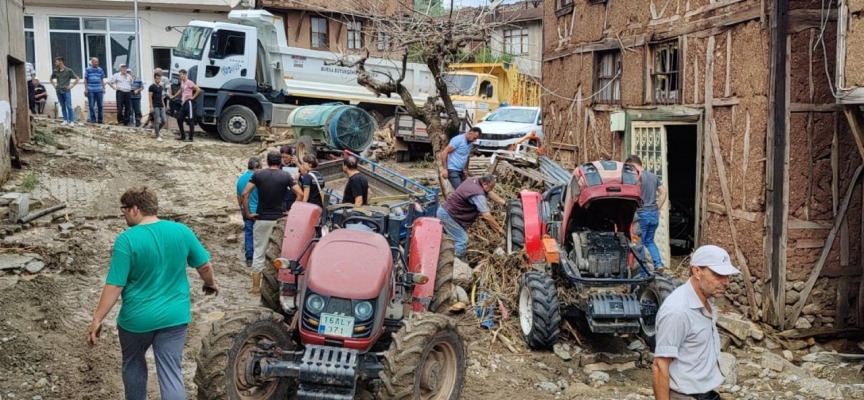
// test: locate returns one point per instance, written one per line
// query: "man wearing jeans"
(455, 156)
(459, 212)
(94, 79)
(148, 268)
(248, 224)
(648, 216)
(61, 79)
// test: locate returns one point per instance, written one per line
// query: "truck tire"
(403, 156)
(425, 361)
(238, 124)
(652, 295)
(444, 296)
(539, 310)
(270, 290)
(209, 128)
(515, 226)
(303, 146)
(231, 340)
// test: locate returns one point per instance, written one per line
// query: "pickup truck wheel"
(515, 226)
(444, 296)
(425, 361)
(651, 297)
(304, 146)
(238, 124)
(270, 290)
(539, 310)
(223, 371)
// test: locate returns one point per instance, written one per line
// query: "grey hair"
(254, 163)
(488, 178)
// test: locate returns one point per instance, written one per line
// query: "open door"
(648, 141)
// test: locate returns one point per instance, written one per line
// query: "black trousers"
(186, 115)
(124, 107)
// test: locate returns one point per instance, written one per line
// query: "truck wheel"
(403, 156)
(651, 297)
(539, 310)
(270, 290)
(221, 372)
(209, 128)
(425, 361)
(515, 226)
(238, 124)
(444, 296)
(304, 146)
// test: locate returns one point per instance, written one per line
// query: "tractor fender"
(426, 235)
(300, 228)
(533, 225)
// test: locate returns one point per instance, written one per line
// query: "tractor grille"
(336, 305)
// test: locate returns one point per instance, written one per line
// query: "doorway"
(682, 151)
(162, 59)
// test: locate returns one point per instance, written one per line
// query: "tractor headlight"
(315, 303)
(363, 310)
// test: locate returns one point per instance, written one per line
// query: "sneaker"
(65, 123)
(158, 138)
(71, 124)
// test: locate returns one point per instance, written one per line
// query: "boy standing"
(157, 105)
(61, 79)
(188, 92)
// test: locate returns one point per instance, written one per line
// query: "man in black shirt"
(357, 189)
(272, 183)
(312, 182)
(288, 164)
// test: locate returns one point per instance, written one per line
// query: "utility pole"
(140, 66)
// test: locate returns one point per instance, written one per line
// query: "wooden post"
(856, 124)
(809, 192)
(775, 207)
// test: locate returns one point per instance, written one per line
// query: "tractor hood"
(350, 264)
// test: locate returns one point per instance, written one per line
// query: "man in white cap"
(687, 355)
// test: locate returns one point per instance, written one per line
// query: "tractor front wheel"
(539, 310)
(651, 297)
(426, 360)
(223, 364)
(515, 226)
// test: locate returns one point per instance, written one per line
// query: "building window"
(111, 40)
(665, 73)
(516, 41)
(320, 37)
(355, 35)
(384, 41)
(30, 40)
(607, 77)
(563, 7)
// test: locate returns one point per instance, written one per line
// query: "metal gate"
(648, 141)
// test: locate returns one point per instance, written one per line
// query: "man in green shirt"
(148, 268)
(61, 79)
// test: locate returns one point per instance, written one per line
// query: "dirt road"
(44, 315)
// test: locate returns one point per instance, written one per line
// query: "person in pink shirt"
(188, 91)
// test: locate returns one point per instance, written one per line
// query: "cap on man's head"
(122, 65)
(715, 258)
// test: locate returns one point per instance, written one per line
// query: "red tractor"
(577, 235)
(349, 311)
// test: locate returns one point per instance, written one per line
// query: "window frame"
(32, 32)
(563, 7)
(82, 36)
(603, 82)
(656, 50)
(354, 37)
(384, 42)
(313, 25)
(510, 34)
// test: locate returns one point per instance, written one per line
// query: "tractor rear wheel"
(425, 361)
(515, 226)
(652, 296)
(226, 350)
(270, 290)
(445, 295)
(539, 310)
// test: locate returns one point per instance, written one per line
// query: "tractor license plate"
(336, 325)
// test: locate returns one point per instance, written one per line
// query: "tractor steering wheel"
(369, 222)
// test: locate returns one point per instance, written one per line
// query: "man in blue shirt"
(137, 87)
(94, 89)
(454, 159)
(248, 224)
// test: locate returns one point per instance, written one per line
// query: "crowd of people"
(129, 90)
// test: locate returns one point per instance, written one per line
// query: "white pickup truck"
(508, 125)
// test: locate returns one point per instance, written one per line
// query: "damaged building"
(742, 110)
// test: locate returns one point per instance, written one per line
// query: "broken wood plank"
(802, 224)
(809, 243)
(814, 274)
(721, 173)
(720, 209)
(813, 108)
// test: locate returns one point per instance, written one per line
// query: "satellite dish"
(234, 3)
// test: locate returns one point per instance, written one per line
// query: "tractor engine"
(600, 254)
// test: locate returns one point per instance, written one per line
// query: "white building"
(81, 29)
(519, 33)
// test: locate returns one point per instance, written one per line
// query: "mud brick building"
(733, 103)
(14, 107)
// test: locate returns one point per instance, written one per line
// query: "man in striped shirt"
(94, 89)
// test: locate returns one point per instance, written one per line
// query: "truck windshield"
(521, 115)
(465, 85)
(192, 42)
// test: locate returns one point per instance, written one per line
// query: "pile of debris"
(383, 145)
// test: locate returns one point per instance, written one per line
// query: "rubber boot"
(256, 283)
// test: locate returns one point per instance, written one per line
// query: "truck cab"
(472, 93)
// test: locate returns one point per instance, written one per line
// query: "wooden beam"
(814, 108)
(844, 243)
(840, 272)
(800, 20)
(835, 169)
(708, 7)
(856, 125)
(842, 303)
(714, 25)
(721, 173)
(611, 43)
(299, 25)
(728, 90)
(817, 225)
(720, 209)
(745, 159)
(817, 269)
(809, 243)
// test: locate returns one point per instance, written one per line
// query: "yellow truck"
(476, 89)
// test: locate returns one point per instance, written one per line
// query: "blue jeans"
(648, 222)
(65, 101)
(248, 227)
(455, 177)
(95, 100)
(452, 228)
(135, 118)
(167, 349)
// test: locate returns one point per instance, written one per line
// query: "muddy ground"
(44, 315)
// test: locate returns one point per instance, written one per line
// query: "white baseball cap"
(714, 258)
